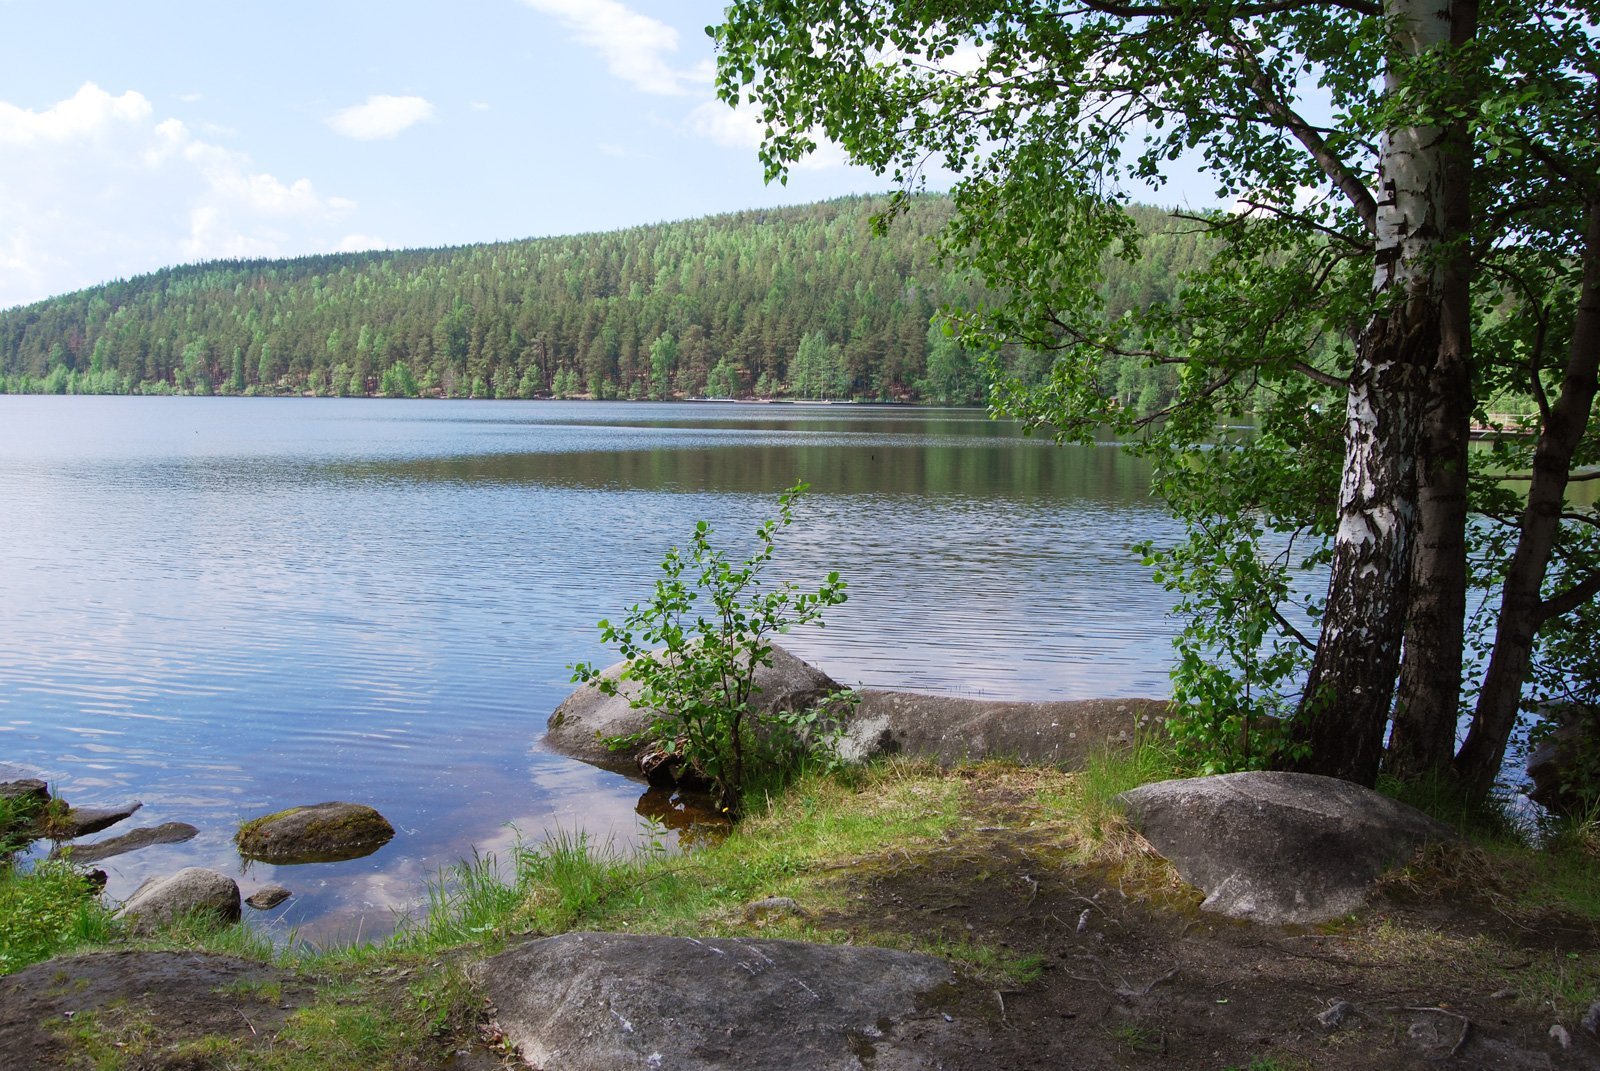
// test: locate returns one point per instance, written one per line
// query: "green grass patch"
(46, 910)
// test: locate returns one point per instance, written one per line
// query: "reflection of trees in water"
(984, 468)
(692, 815)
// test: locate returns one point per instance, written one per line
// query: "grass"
(382, 1004)
(48, 907)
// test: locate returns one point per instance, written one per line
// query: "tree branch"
(1571, 599)
(1337, 170)
(1241, 11)
(1317, 375)
(1306, 221)
(1293, 632)
(1576, 477)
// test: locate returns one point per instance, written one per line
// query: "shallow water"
(224, 607)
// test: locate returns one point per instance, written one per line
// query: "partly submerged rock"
(1279, 847)
(947, 729)
(165, 833)
(81, 821)
(321, 833)
(952, 729)
(268, 897)
(1565, 764)
(191, 891)
(31, 791)
(588, 715)
(601, 1001)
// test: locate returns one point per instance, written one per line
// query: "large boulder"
(320, 833)
(184, 995)
(1278, 847)
(588, 715)
(603, 1001)
(950, 729)
(191, 891)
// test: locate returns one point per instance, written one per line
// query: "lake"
(228, 606)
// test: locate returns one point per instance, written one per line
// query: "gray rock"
(588, 714)
(26, 788)
(1336, 1015)
(1559, 1035)
(602, 1002)
(950, 729)
(1561, 765)
(774, 907)
(268, 897)
(192, 890)
(1591, 1020)
(81, 821)
(321, 833)
(1278, 847)
(165, 833)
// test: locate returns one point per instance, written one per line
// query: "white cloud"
(381, 116)
(480, 105)
(98, 186)
(635, 47)
(88, 113)
(360, 243)
(742, 128)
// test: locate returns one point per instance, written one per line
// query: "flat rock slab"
(134, 839)
(587, 715)
(1279, 847)
(81, 821)
(607, 1002)
(953, 729)
(188, 994)
(320, 833)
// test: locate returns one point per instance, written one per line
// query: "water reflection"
(694, 817)
(226, 607)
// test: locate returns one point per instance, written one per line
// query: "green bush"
(46, 910)
(695, 647)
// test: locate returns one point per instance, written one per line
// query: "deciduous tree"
(1404, 171)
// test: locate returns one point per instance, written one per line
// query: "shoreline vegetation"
(956, 862)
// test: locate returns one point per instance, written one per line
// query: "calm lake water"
(224, 607)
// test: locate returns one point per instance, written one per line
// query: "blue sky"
(137, 135)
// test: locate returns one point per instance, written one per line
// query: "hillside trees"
(553, 316)
(1412, 178)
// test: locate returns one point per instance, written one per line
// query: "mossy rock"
(320, 833)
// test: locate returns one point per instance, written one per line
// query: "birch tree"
(1371, 241)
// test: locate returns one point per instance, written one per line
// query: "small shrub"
(695, 648)
(45, 910)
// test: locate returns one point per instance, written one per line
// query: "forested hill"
(798, 302)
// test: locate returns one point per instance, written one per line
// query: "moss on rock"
(320, 833)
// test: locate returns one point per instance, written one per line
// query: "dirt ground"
(1130, 974)
(125, 995)
(1135, 979)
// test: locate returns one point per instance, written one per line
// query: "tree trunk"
(1339, 727)
(1428, 705)
(1522, 609)
(1345, 708)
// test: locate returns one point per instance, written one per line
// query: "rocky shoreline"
(1284, 879)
